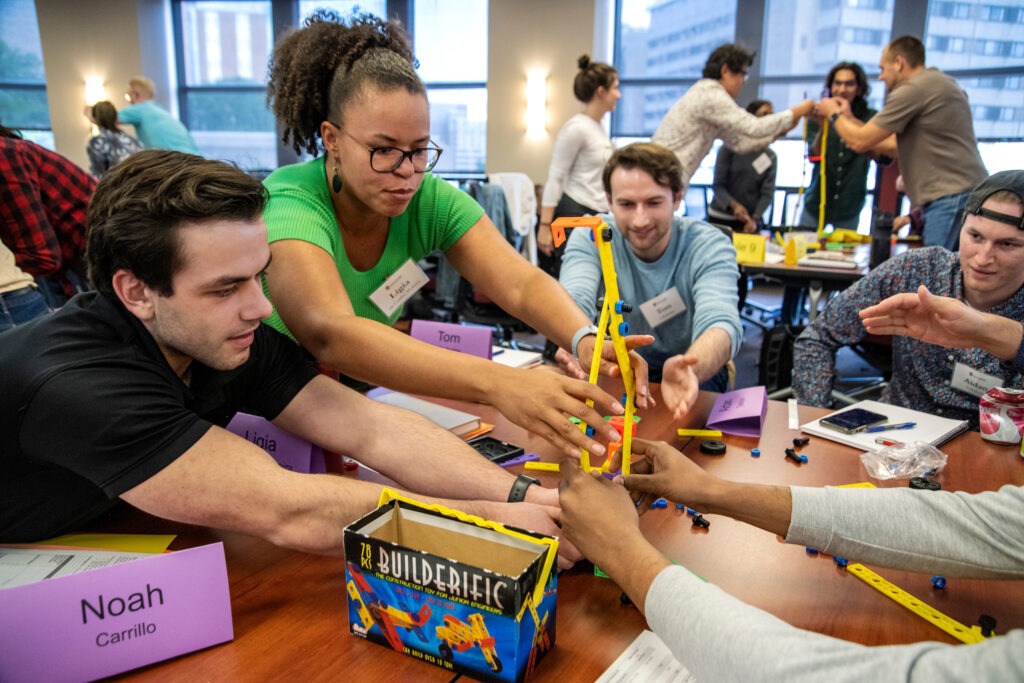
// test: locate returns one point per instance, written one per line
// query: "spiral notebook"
(930, 428)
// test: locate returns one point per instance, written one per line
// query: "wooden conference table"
(290, 612)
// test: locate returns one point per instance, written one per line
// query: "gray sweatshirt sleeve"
(951, 533)
(720, 638)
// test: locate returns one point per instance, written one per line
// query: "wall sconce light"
(536, 103)
(94, 90)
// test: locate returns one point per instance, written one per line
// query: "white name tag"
(662, 307)
(399, 286)
(762, 163)
(973, 382)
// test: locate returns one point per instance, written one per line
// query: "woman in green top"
(344, 222)
(846, 171)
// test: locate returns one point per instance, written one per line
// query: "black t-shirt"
(89, 408)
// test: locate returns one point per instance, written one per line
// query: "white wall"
(525, 35)
(110, 39)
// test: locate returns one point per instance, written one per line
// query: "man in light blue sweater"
(678, 274)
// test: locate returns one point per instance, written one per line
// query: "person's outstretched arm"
(944, 321)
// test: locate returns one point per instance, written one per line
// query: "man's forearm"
(1000, 336)
(712, 349)
(766, 507)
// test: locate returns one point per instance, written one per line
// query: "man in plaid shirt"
(43, 200)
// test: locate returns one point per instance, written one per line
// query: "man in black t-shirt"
(124, 392)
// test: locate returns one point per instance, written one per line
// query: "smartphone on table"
(496, 450)
(853, 421)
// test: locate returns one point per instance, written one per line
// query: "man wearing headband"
(987, 274)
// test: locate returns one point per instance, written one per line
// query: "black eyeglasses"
(388, 159)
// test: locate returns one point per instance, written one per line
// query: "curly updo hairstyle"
(317, 70)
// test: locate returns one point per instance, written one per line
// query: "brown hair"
(317, 70)
(908, 47)
(592, 76)
(660, 162)
(139, 204)
(105, 115)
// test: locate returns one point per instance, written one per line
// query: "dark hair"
(6, 132)
(859, 105)
(318, 69)
(592, 76)
(731, 55)
(757, 104)
(139, 205)
(908, 47)
(105, 115)
(660, 162)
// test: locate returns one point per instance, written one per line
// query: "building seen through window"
(23, 103)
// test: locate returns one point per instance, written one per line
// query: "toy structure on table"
(610, 322)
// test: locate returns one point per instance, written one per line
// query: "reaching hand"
(610, 363)
(569, 365)
(597, 514)
(934, 319)
(542, 401)
(679, 384)
(668, 474)
(542, 519)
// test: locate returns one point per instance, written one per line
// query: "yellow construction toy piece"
(610, 322)
(965, 634)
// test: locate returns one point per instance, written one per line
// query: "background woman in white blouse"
(574, 185)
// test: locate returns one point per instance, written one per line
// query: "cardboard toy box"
(457, 591)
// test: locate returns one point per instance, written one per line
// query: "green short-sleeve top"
(300, 208)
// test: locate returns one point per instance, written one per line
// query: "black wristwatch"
(832, 119)
(519, 487)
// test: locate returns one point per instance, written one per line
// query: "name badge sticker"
(762, 163)
(399, 287)
(666, 305)
(972, 381)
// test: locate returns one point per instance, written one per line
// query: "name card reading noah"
(108, 612)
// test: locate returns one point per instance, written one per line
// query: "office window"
(344, 7)
(807, 36)
(23, 103)
(660, 50)
(456, 78)
(966, 37)
(223, 50)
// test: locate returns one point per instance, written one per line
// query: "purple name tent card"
(739, 412)
(291, 452)
(472, 339)
(101, 622)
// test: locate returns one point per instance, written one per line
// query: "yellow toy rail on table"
(610, 322)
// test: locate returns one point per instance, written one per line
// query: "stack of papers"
(828, 259)
(930, 428)
(515, 358)
(455, 421)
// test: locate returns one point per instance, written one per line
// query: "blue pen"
(886, 428)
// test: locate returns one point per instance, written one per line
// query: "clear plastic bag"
(917, 459)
